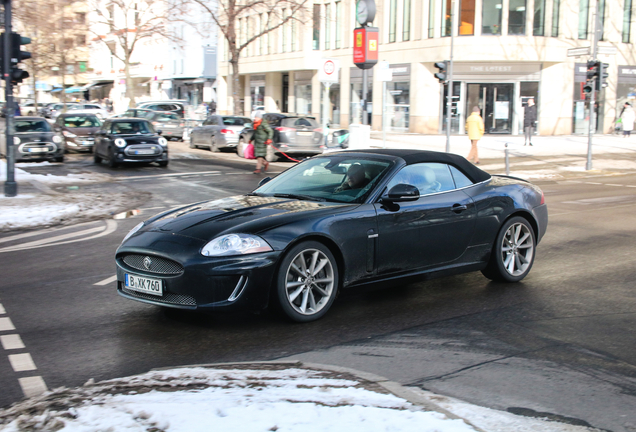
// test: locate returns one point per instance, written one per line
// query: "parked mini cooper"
(124, 140)
(34, 139)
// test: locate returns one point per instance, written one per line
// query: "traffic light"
(592, 70)
(601, 81)
(441, 75)
(587, 88)
(17, 55)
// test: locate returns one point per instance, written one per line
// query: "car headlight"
(163, 142)
(120, 142)
(68, 134)
(16, 140)
(57, 139)
(235, 244)
(132, 231)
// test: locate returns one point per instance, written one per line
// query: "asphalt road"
(561, 342)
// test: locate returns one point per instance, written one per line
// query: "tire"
(296, 283)
(240, 148)
(163, 163)
(97, 159)
(513, 253)
(112, 163)
(59, 159)
(271, 154)
(213, 147)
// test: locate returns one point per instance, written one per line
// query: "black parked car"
(293, 135)
(333, 222)
(129, 140)
(77, 130)
(35, 140)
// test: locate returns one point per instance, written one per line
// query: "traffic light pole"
(592, 128)
(10, 186)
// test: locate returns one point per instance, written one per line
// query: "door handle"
(458, 208)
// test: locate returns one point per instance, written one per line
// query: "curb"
(390, 386)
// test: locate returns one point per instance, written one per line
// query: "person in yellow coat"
(475, 129)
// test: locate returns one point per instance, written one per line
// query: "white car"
(86, 108)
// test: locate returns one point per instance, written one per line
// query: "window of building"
(556, 8)
(338, 24)
(584, 12)
(491, 17)
(261, 26)
(627, 20)
(283, 32)
(293, 24)
(68, 43)
(517, 17)
(80, 17)
(392, 20)
(601, 9)
(467, 17)
(316, 35)
(447, 24)
(406, 24)
(431, 18)
(327, 26)
(81, 40)
(111, 17)
(538, 24)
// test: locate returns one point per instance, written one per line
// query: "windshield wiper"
(255, 194)
(299, 197)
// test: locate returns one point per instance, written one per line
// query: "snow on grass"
(22, 175)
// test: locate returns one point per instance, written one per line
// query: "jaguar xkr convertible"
(330, 223)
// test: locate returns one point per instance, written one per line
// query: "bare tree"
(272, 14)
(122, 24)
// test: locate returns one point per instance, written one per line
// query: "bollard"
(507, 160)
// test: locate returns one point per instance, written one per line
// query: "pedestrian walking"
(475, 129)
(263, 135)
(529, 119)
(627, 119)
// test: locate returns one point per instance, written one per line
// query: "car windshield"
(132, 128)
(81, 122)
(166, 117)
(32, 126)
(236, 121)
(295, 122)
(337, 178)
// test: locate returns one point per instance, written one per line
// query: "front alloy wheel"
(307, 282)
(513, 253)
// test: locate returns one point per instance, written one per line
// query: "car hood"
(139, 139)
(243, 213)
(81, 131)
(35, 136)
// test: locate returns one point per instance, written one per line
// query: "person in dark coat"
(529, 119)
(263, 135)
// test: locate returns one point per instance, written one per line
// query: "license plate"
(142, 152)
(167, 125)
(37, 150)
(305, 133)
(143, 284)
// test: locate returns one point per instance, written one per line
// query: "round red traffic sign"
(329, 67)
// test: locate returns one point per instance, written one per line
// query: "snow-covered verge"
(245, 399)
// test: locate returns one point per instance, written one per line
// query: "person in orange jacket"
(475, 129)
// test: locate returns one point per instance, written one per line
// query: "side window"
(427, 177)
(106, 127)
(460, 178)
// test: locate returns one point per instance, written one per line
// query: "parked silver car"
(168, 122)
(34, 139)
(219, 132)
(83, 108)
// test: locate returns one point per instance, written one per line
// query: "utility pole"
(449, 92)
(10, 186)
(592, 128)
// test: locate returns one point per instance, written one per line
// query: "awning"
(75, 89)
(56, 89)
(199, 81)
(97, 84)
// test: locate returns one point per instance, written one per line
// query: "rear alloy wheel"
(307, 281)
(240, 148)
(213, 147)
(513, 253)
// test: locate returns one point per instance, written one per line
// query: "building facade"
(505, 51)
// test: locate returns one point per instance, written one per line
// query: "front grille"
(176, 299)
(143, 150)
(37, 148)
(157, 265)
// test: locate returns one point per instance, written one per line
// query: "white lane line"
(610, 184)
(166, 175)
(32, 386)
(2, 311)
(6, 324)
(61, 237)
(22, 362)
(40, 232)
(12, 341)
(630, 185)
(107, 280)
(593, 183)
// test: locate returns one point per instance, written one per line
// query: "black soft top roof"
(418, 156)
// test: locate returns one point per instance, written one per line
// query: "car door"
(435, 229)
(101, 139)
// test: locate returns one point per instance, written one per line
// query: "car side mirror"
(402, 193)
(159, 131)
(265, 180)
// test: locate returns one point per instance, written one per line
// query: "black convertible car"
(332, 222)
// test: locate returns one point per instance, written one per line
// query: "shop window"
(538, 23)
(392, 20)
(627, 20)
(584, 14)
(467, 18)
(431, 18)
(327, 26)
(491, 17)
(398, 105)
(447, 24)
(303, 98)
(316, 28)
(406, 24)
(556, 8)
(356, 103)
(517, 17)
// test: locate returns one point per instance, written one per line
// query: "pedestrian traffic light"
(441, 75)
(601, 81)
(587, 88)
(592, 70)
(17, 55)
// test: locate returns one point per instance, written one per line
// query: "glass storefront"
(398, 106)
(303, 98)
(334, 103)
(626, 88)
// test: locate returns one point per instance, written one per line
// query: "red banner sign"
(365, 47)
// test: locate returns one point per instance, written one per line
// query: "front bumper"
(128, 154)
(80, 144)
(201, 283)
(39, 151)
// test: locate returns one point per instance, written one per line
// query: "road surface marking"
(2, 311)
(22, 362)
(12, 341)
(32, 386)
(166, 175)
(6, 324)
(40, 232)
(107, 281)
